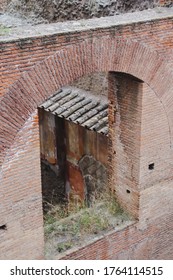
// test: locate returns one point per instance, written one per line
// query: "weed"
(63, 246)
(79, 223)
(4, 30)
(49, 219)
(56, 212)
(50, 229)
(113, 206)
(91, 222)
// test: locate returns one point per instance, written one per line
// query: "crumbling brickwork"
(33, 68)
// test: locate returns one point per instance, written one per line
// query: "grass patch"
(61, 247)
(65, 229)
(4, 30)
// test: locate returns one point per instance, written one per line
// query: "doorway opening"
(74, 155)
(73, 141)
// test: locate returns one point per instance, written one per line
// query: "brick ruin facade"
(139, 66)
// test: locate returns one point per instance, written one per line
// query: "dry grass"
(65, 230)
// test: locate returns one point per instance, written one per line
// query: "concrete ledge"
(105, 235)
(28, 31)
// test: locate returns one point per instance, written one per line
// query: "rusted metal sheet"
(81, 141)
(76, 183)
(65, 143)
(47, 136)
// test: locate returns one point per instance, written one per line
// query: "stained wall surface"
(77, 154)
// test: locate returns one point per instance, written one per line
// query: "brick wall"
(96, 83)
(125, 113)
(131, 243)
(36, 50)
(139, 140)
(151, 236)
(20, 55)
(21, 199)
(143, 50)
(155, 141)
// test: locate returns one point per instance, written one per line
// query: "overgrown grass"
(65, 229)
(56, 213)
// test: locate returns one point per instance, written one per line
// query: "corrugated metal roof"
(80, 107)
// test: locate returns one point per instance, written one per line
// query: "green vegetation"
(61, 247)
(4, 30)
(66, 228)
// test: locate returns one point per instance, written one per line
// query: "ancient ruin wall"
(151, 237)
(21, 208)
(61, 63)
(52, 11)
(96, 83)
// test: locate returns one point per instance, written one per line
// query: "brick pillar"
(125, 110)
(21, 193)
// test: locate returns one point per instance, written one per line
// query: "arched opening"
(74, 131)
(34, 87)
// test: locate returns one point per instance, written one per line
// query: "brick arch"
(74, 61)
